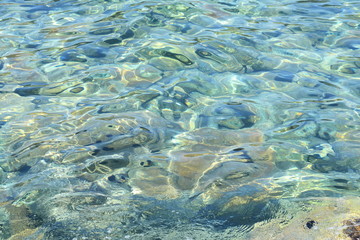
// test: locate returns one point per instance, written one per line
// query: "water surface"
(179, 119)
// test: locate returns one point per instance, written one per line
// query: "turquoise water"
(179, 119)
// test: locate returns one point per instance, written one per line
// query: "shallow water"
(179, 119)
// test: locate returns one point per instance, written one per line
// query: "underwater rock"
(284, 76)
(128, 33)
(227, 156)
(113, 41)
(154, 182)
(216, 137)
(289, 155)
(166, 64)
(22, 219)
(323, 158)
(347, 154)
(94, 52)
(99, 136)
(167, 57)
(332, 128)
(208, 164)
(232, 114)
(352, 228)
(109, 133)
(72, 56)
(305, 219)
(64, 224)
(65, 88)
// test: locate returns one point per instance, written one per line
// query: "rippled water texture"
(195, 119)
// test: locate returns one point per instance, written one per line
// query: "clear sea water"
(185, 119)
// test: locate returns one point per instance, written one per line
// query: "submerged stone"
(305, 219)
(230, 115)
(166, 64)
(72, 56)
(28, 91)
(206, 161)
(103, 135)
(113, 41)
(352, 228)
(94, 53)
(284, 77)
